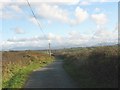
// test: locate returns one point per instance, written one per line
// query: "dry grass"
(94, 67)
(14, 62)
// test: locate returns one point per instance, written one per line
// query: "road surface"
(51, 76)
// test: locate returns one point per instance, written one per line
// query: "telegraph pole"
(49, 49)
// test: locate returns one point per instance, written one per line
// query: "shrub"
(100, 62)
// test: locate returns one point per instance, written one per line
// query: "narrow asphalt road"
(51, 76)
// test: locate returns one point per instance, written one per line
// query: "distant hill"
(106, 44)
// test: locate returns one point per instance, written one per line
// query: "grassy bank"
(93, 67)
(18, 65)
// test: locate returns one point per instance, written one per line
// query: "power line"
(36, 19)
(39, 25)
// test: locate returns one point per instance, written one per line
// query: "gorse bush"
(101, 63)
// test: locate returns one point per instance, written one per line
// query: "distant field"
(95, 67)
(17, 65)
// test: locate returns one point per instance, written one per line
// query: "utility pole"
(49, 49)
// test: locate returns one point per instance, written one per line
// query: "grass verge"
(81, 75)
(93, 67)
(16, 75)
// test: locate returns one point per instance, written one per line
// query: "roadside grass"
(94, 67)
(81, 75)
(16, 74)
(19, 79)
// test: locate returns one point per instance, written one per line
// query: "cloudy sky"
(65, 23)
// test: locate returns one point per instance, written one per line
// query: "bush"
(100, 62)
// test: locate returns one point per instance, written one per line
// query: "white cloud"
(18, 30)
(55, 1)
(37, 22)
(24, 2)
(81, 15)
(16, 8)
(100, 19)
(104, 35)
(97, 9)
(8, 11)
(4, 3)
(77, 38)
(102, 0)
(52, 12)
(33, 20)
(6, 15)
(7, 45)
(105, 0)
(39, 41)
(73, 38)
(1, 6)
(49, 1)
(84, 3)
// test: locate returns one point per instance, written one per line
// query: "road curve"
(51, 76)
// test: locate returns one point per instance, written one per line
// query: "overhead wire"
(36, 19)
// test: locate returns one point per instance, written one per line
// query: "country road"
(51, 76)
